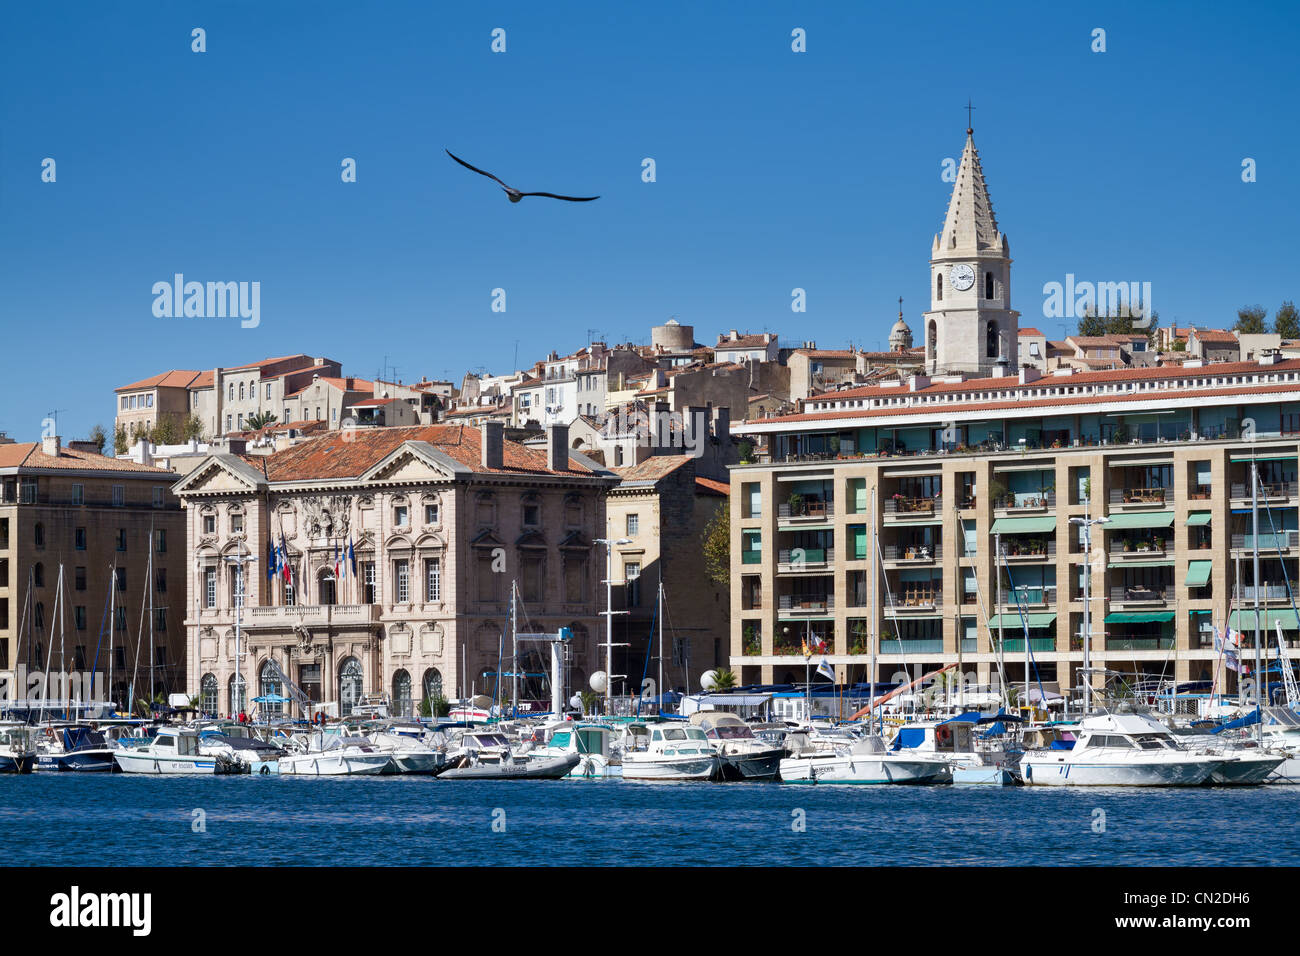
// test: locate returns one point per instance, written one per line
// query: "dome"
(900, 336)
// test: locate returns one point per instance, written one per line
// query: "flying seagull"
(514, 194)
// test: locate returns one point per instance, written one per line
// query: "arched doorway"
(432, 683)
(401, 694)
(269, 686)
(350, 679)
(238, 697)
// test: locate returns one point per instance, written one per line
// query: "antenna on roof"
(50, 427)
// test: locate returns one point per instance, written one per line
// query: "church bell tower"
(971, 327)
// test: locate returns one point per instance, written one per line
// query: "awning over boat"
(1034, 525)
(1139, 617)
(1198, 573)
(909, 737)
(1144, 519)
(732, 700)
(1038, 619)
(1245, 620)
(970, 717)
(1198, 517)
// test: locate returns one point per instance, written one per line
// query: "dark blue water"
(76, 819)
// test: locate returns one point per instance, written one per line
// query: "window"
(241, 391)
(236, 523)
(240, 420)
(39, 615)
(148, 400)
(38, 535)
(751, 547)
(368, 577)
(158, 497)
(532, 515)
(753, 499)
(208, 694)
(209, 587)
(119, 624)
(119, 575)
(991, 340)
(400, 516)
(433, 579)
(402, 694)
(121, 539)
(269, 677)
(268, 390)
(230, 423)
(209, 524)
(232, 391)
(160, 580)
(938, 286)
(160, 623)
(29, 491)
(79, 576)
(350, 680)
(79, 536)
(78, 494)
(633, 523)
(632, 573)
(988, 285)
(38, 575)
(430, 514)
(119, 496)
(160, 540)
(402, 580)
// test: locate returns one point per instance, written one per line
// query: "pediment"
(414, 462)
(218, 474)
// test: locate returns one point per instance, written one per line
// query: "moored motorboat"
(17, 753)
(669, 752)
(79, 749)
(743, 756)
(171, 750)
(863, 760)
(511, 768)
(332, 755)
(1112, 750)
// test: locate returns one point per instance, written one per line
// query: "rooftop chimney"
(492, 438)
(557, 447)
(50, 445)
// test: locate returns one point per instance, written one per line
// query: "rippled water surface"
(81, 819)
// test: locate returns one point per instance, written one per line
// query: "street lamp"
(609, 617)
(1085, 527)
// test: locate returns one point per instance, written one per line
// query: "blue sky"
(775, 170)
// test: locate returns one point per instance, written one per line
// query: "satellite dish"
(598, 682)
(709, 680)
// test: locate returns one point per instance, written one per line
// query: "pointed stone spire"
(970, 226)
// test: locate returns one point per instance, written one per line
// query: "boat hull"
(867, 770)
(334, 765)
(156, 765)
(670, 768)
(1056, 772)
(757, 765)
(79, 761)
(1246, 770)
(550, 768)
(17, 763)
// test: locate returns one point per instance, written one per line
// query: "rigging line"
(139, 639)
(1024, 621)
(1289, 682)
(99, 641)
(27, 600)
(645, 667)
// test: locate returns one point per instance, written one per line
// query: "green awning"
(1037, 525)
(1198, 573)
(1139, 617)
(1262, 458)
(1198, 517)
(1142, 519)
(1149, 563)
(1009, 621)
(920, 519)
(1245, 620)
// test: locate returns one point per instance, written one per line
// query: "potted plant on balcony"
(1128, 546)
(745, 449)
(998, 493)
(835, 445)
(796, 505)
(752, 644)
(858, 645)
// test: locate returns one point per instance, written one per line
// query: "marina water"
(119, 820)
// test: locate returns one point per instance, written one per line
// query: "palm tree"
(259, 420)
(724, 679)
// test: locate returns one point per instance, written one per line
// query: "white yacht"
(409, 754)
(744, 756)
(17, 752)
(238, 750)
(172, 750)
(859, 760)
(333, 755)
(670, 751)
(1121, 750)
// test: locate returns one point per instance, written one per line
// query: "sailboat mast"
(112, 625)
(1261, 679)
(871, 600)
(148, 583)
(660, 614)
(514, 650)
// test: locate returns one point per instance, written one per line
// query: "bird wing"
(566, 198)
(481, 172)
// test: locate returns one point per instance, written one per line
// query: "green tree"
(259, 420)
(1250, 320)
(1286, 321)
(716, 542)
(192, 428)
(120, 444)
(99, 437)
(167, 431)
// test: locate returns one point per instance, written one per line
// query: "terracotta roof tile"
(177, 378)
(28, 455)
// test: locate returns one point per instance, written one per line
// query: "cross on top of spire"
(970, 126)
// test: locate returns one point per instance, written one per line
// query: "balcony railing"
(1272, 541)
(806, 509)
(898, 506)
(1017, 644)
(921, 554)
(1035, 501)
(797, 604)
(1139, 643)
(318, 615)
(917, 598)
(804, 559)
(1138, 496)
(1029, 596)
(1274, 492)
(1140, 594)
(1145, 549)
(1030, 550)
(1266, 592)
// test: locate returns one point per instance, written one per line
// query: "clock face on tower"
(961, 276)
